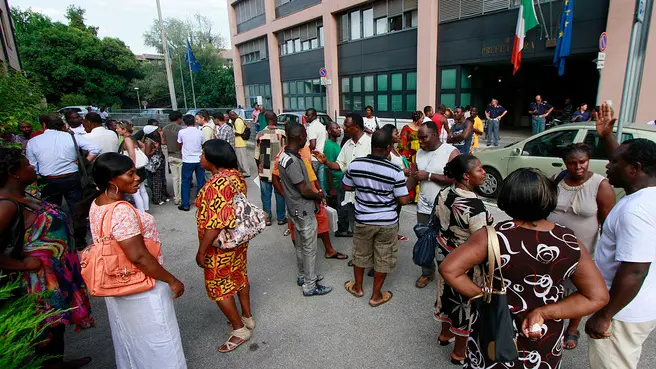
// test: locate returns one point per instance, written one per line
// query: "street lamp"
(138, 99)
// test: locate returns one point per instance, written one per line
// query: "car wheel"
(492, 183)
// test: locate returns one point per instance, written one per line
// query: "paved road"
(333, 331)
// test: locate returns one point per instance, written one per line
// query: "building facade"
(9, 57)
(400, 55)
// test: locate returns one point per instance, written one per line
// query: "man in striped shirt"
(379, 186)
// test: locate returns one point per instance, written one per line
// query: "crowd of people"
(546, 267)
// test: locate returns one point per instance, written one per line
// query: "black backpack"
(247, 134)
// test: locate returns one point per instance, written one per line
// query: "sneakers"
(183, 208)
(343, 234)
(317, 291)
(301, 280)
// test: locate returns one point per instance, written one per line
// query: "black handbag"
(12, 245)
(496, 334)
(423, 253)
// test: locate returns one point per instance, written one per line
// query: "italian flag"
(525, 21)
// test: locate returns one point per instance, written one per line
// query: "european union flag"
(194, 65)
(564, 44)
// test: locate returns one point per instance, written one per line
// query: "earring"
(115, 193)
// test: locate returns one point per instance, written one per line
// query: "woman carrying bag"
(144, 326)
(537, 257)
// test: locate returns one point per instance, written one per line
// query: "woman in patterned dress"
(410, 142)
(460, 213)
(50, 262)
(537, 258)
(144, 327)
(225, 271)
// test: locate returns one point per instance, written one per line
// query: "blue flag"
(564, 44)
(194, 65)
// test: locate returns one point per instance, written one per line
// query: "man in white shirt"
(358, 146)
(74, 121)
(191, 143)
(428, 171)
(626, 254)
(107, 140)
(54, 155)
(317, 137)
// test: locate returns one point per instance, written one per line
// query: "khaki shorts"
(376, 246)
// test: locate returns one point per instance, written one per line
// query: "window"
(314, 43)
(297, 45)
(397, 82)
(465, 99)
(368, 83)
(369, 100)
(306, 45)
(411, 81)
(448, 80)
(320, 31)
(381, 26)
(395, 23)
(357, 103)
(253, 51)
(381, 103)
(355, 25)
(290, 47)
(410, 19)
(248, 9)
(307, 36)
(368, 23)
(344, 25)
(411, 102)
(253, 91)
(346, 85)
(448, 99)
(397, 102)
(550, 144)
(304, 94)
(598, 147)
(382, 82)
(346, 102)
(356, 84)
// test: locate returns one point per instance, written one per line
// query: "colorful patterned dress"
(225, 271)
(50, 238)
(408, 147)
(535, 265)
(460, 213)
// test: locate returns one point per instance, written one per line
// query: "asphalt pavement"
(332, 331)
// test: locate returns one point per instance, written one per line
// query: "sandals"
(349, 287)
(402, 238)
(243, 334)
(446, 342)
(423, 281)
(387, 295)
(337, 255)
(455, 361)
(248, 322)
(571, 337)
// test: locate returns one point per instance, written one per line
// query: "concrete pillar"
(236, 57)
(330, 57)
(427, 53)
(274, 57)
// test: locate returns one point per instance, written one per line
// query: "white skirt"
(145, 330)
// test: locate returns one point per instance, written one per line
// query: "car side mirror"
(517, 151)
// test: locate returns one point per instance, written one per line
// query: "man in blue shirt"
(494, 113)
(539, 111)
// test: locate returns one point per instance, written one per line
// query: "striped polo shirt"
(377, 183)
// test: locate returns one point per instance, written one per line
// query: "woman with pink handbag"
(144, 326)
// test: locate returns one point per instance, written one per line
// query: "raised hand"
(605, 121)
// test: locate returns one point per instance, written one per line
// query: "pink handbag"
(106, 270)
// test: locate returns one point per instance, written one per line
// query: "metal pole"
(635, 64)
(138, 100)
(193, 91)
(167, 62)
(184, 93)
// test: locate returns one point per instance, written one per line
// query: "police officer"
(539, 112)
(494, 113)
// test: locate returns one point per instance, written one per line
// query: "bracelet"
(430, 175)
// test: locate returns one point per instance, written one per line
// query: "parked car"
(81, 110)
(299, 117)
(542, 151)
(141, 119)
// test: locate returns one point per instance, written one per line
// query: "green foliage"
(74, 99)
(198, 30)
(20, 329)
(71, 59)
(22, 101)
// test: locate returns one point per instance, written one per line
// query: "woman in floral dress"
(537, 258)
(225, 271)
(460, 213)
(410, 142)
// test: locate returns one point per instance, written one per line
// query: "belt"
(62, 175)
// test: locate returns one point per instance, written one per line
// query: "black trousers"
(69, 188)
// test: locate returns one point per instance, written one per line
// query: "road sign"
(324, 81)
(601, 56)
(323, 72)
(603, 42)
(600, 64)
(640, 15)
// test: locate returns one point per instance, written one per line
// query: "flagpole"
(184, 93)
(167, 62)
(191, 75)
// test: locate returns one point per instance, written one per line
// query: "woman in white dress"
(584, 200)
(144, 326)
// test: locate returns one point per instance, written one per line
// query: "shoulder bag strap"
(494, 257)
(80, 161)
(106, 223)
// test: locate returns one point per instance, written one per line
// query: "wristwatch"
(430, 175)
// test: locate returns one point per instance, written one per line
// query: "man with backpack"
(242, 134)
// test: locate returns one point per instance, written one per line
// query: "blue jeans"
(320, 171)
(537, 124)
(493, 131)
(266, 188)
(188, 170)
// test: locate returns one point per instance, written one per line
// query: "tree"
(22, 101)
(198, 30)
(71, 59)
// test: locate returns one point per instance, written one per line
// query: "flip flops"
(337, 255)
(349, 288)
(387, 295)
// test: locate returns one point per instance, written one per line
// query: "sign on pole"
(600, 64)
(324, 81)
(323, 72)
(603, 42)
(640, 14)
